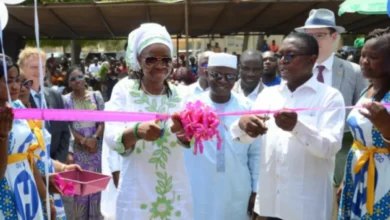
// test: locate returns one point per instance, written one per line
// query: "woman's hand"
(53, 187)
(149, 131)
(378, 116)
(91, 144)
(70, 167)
(176, 126)
(6, 120)
(53, 211)
(70, 159)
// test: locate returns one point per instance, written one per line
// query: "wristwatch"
(96, 137)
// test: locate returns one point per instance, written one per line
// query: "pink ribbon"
(67, 188)
(99, 116)
(83, 115)
(200, 122)
(387, 105)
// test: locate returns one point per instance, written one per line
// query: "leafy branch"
(164, 183)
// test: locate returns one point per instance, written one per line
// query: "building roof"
(114, 20)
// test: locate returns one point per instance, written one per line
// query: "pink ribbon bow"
(67, 188)
(200, 123)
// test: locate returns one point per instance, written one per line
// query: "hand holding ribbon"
(286, 119)
(200, 123)
(253, 125)
(376, 112)
(149, 131)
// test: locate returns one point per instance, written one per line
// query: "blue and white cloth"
(353, 200)
(19, 198)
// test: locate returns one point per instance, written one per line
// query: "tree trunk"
(246, 41)
(75, 53)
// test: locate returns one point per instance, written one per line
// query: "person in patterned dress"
(21, 186)
(87, 148)
(366, 192)
(154, 183)
(53, 165)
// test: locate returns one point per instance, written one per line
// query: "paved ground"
(68, 204)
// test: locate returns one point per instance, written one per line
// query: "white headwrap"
(140, 38)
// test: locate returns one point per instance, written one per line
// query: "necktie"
(320, 76)
(39, 99)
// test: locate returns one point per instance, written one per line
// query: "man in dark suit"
(59, 130)
(338, 73)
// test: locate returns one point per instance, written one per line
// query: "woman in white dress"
(153, 181)
(366, 193)
(21, 186)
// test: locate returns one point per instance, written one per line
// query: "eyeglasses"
(76, 78)
(319, 35)
(219, 76)
(288, 57)
(152, 61)
(27, 84)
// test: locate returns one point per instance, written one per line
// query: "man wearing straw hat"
(338, 73)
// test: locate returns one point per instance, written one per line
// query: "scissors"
(162, 124)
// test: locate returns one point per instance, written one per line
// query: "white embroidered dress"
(153, 181)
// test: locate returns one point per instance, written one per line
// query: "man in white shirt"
(94, 67)
(250, 70)
(202, 84)
(338, 73)
(298, 148)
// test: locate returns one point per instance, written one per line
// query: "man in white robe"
(223, 182)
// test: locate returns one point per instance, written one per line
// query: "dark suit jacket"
(59, 130)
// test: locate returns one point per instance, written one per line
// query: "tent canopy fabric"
(114, 20)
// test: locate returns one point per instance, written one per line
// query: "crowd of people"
(315, 157)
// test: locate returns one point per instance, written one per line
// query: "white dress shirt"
(296, 168)
(195, 88)
(253, 95)
(327, 72)
(37, 102)
(93, 68)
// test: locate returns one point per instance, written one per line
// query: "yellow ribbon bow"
(36, 128)
(14, 158)
(368, 156)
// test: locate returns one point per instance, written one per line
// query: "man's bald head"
(268, 54)
(252, 55)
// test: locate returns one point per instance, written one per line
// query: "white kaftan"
(222, 181)
(111, 162)
(153, 183)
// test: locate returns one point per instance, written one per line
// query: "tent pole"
(187, 31)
